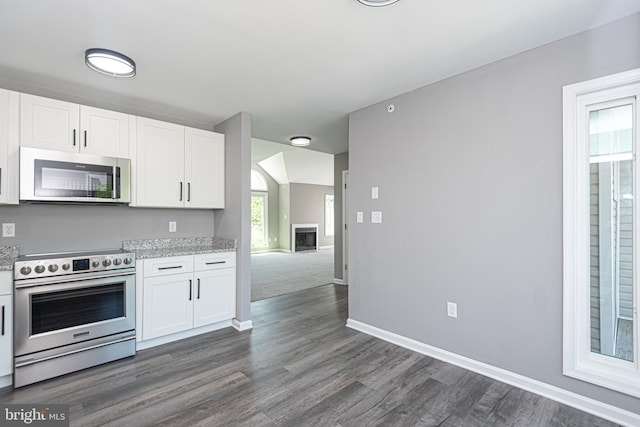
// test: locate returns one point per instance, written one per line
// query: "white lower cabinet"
(187, 292)
(6, 324)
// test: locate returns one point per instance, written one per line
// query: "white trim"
(6, 381)
(345, 228)
(578, 360)
(325, 247)
(242, 326)
(592, 406)
(338, 281)
(142, 345)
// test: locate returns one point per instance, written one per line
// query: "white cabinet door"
(9, 147)
(204, 169)
(168, 305)
(49, 123)
(6, 324)
(159, 163)
(215, 296)
(104, 132)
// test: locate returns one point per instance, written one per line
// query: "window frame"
(329, 215)
(578, 360)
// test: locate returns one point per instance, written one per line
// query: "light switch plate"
(173, 227)
(359, 217)
(374, 192)
(376, 217)
(452, 309)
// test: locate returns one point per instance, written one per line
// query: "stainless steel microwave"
(58, 176)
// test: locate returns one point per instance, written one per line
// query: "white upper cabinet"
(159, 165)
(204, 168)
(63, 126)
(177, 166)
(9, 147)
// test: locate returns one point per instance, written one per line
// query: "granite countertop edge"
(178, 251)
(8, 255)
(161, 248)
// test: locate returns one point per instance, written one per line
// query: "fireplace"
(304, 237)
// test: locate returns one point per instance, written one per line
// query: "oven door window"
(65, 309)
(65, 179)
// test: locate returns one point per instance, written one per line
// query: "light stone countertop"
(8, 255)
(160, 248)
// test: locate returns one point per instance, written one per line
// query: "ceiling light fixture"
(109, 62)
(300, 141)
(377, 3)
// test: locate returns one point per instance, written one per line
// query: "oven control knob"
(65, 266)
(106, 262)
(95, 264)
(25, 270)
(39, 269)
(127, 260)
(117, 261)
(53, 268)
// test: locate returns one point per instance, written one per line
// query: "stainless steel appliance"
(58, 176)
(72, 311)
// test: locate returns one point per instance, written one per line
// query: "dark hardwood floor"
(299, 366)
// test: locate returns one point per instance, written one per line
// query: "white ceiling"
(288, 164)
(297, 66)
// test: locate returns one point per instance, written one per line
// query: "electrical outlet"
(8, 229)
(452, 309)
(173, 226)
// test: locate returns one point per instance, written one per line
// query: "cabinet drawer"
(6, 283)
(215, 261)
(169, 265)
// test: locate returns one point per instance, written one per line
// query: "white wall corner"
(242, 326)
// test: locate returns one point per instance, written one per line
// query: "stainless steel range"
(72, 311)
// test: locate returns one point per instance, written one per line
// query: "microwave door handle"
(113, 182)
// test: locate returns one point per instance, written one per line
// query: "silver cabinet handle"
(3, 320)
(190, 289)
(188, 191)
(74, 137)
(85, 138)
(215, 262)
(180, 190)
(198, 288)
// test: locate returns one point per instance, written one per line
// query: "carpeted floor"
(279, 273)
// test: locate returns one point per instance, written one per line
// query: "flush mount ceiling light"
(109, 62)
(377, 3)
(300, 141)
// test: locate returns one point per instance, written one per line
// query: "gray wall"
(58, 228)
(235, 220)
(340, 163)
(307, 207)
(470, 178)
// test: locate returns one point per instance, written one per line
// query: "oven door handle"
(31, 283)
(80, 350)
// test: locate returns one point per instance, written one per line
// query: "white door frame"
(345, 229)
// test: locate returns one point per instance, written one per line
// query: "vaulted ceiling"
(298, 67)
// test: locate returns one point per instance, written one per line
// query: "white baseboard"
(6, 381)
(338, 281)
(242, 326)
(586, 404)
(141, 345)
